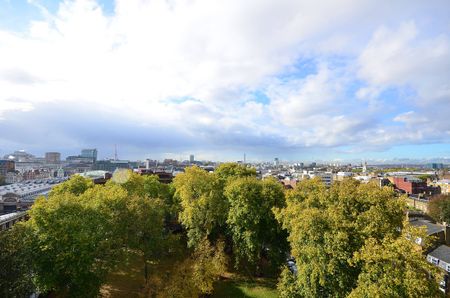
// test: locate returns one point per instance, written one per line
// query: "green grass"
(247, 288)
(128, 281)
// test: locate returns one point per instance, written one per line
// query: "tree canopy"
(204, 208)
(234, 170)
(251, 222)
(396, 267)
(347, 240)
(328, 226)
(439, 208)
(15, 259)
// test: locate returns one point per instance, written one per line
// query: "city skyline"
(352, 80)
(192, 157)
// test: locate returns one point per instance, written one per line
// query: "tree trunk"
(145, 270)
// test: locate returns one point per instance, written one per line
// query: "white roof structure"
(29, 190)
(9, 216)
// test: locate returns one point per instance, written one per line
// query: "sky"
(294, 79)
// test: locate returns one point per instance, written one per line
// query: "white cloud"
(196, 65)
(398, 58)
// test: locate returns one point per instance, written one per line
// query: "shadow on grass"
(228, 289)
(245, 288)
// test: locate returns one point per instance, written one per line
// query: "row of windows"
(437, 262)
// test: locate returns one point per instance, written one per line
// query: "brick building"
(410, 185)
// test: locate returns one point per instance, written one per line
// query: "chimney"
(447, 233)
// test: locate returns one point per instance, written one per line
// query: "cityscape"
(208, 148)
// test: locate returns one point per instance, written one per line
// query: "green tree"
(327, 226)
(204, 209)
(75, 185)
(147, 230)
(149, 186)
(15, 259)
(287, 285)
(439, 208)
(251, 222)
(2, 180)
(196, 275)
(396, 267)
(77, 239)
(208, 263)
(234, 170)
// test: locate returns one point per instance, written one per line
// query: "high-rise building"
(436, 166)
(276, 161)
(191, 158)
(52, 157)
(89, 153)
(20, 156)
(7, 166)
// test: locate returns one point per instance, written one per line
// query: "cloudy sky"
(300, 80)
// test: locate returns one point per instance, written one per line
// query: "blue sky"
(299, 80)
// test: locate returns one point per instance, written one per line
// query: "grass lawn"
(128, 281)
(236, 286)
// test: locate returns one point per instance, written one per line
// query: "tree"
(251, 221)
(75, 185)
(327, 226)
(234, 170)
(204, 209)
(439, 208)
(147, 230)
(424, 177)
(287, 285)
(76, 239)
(208, 263)
(396, 267)
(2, 180)
(15, 259)
(149, 186)
(196, 275)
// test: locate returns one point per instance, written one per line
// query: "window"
(433, 260)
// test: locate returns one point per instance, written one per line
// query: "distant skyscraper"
(7, 166)
(276, 161)
(191, 158)
(436, 166)
(52, 157)
(89, 153)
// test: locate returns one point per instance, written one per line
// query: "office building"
(7, 166)
(111, 165)
(436, 166)
(191, 158)
(52, 157)
(89, 153)
(276, 161)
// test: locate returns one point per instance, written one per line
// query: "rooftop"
(9, 216)
(30, 186)
(432, 228)
(442, 252)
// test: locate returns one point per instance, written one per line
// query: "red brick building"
(410, 185)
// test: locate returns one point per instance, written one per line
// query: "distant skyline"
(298, 80)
